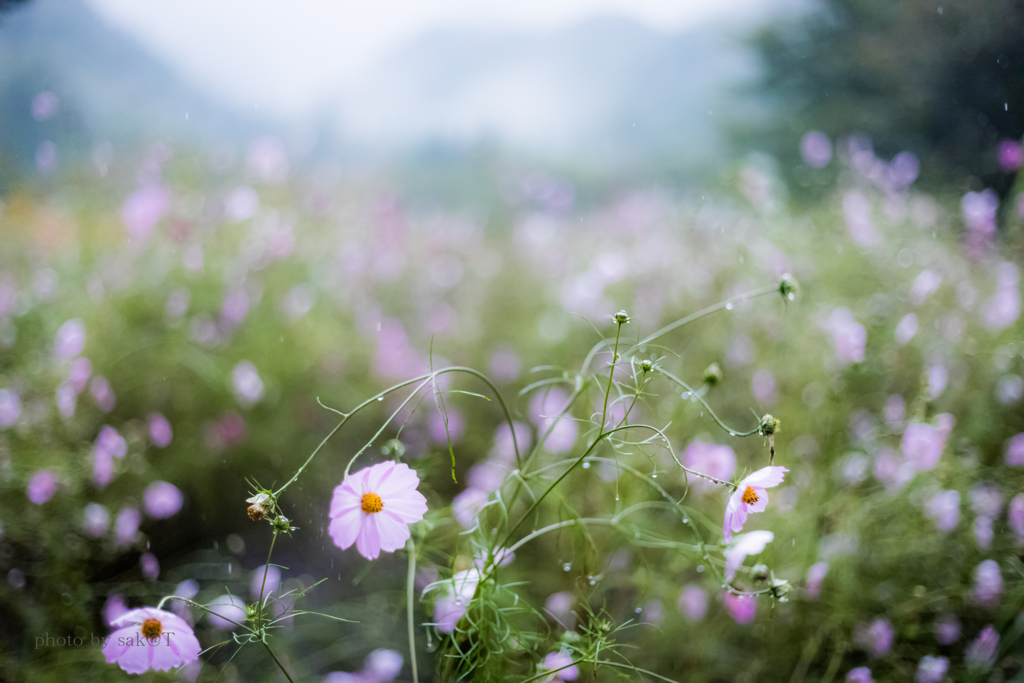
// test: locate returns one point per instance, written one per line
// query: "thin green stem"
(611, 376)
(410, 589)
(278, 662)
(263, 587)
(732, 432)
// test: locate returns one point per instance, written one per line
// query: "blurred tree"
(944, 79)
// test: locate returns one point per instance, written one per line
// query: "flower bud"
(712, 374)
(759, 572)
(621, 318)
(768, 425)
(646, 365)
(788, 287)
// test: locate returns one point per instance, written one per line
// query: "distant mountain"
(605, 91)
(105, 87)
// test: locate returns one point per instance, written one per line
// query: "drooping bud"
(712, 374)
(261, 504)
(768, 427)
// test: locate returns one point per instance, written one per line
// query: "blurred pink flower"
(504, 448)
(892, 471)
(97, 520)
(79, 373)
(374, 507)
(741, 609)
(848, 336)
(763, 386)
(1014, 453)
(143, 210)
(924, 285)
(752, 543)
(693, 602)
(1015, 517)
(247, 384)
(102, 393)
(815, 577)
(931, 669)
(561, 667)
(241, 204)
(486, 476)
(944, 510)
(559, 605)
(150, 566)
(895, 410)
(983, 532)
(102, 467)
(816, 149)
(150, 638)
(877, 637)
(10, 408)
(42, 486)
(227, 612)
(906, 328)
(750, 496)
(234, 308)
(467, 505)
(456, 426)
(857, 211)
(1010, 155)
(986, 500)
(981, 654)
(160, 432)
(505, 366)
(70, 340)
(454, 601)
(861, 674)
(1003, 309)
(710, 459)
(111, 441)
(988, 584)
(114, 608)
(44, 105)
(162, 499)
(126, 527)
(923, 443)
(979, 211)
(267, 585)
(267, 160)
(947, 629)
(382, 665)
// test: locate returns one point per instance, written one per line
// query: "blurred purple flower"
(111, 441)
(693, 602)
(452, 604)
(816, 149)
(114, 608)
(97, 520)
(741, 609)
(892, 471)
(298, 302)
(944, 510)
(559, 605)
(906, 329)
(876, 637)
(924, 285)
(382, 665)
(42, 486)
(70, 340)
(986, 500)
(947, 629)
(102, 393)
(247, 384)
(815, 577)
(79, 373)
(456, 426)
(46, 157)
(241, 204)
(126, 527)
(861, 674)
(561, 667)
(467, 505)
(44, 105)
(10, 408)
(562, 437)
(1010, 155)
(710, 459)
(923, 443)
(979, 211)
(932, 669)
(1009, 389)
(1014, 453)
(1003, 309)
(981, 654)
(162, 500)
(150, 566)
(504, 449)
(102, 467)
(653, 612)
(1015, 516)
(904, 170)
(505, 365)
(235, 308)
(763, 386)
(988, 584)
(160, 432)
(486, 476)
(227, 612)
(143, 210)
(848, 335)
(257, 585)
(857, 211)
(895, 410)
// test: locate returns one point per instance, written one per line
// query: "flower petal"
(402, 478)
(766, 477)
(368, 540)
(393, 531)
(409, 507)
(346, 528)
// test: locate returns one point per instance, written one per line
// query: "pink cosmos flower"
(468, 504)
(815, 576)
(97, 520)
(848, 335)
(559, 605)
(923, 443)
(10, 408)
(162, 499)
(1015, 516)
(126, 527)
(383, 665)
(861, 674)
(752, 543)
(70, 340)
(876, 638)
(981, 654)
(559, 666)
(944, 510)
(454, 601)
(160, 432)
(750, 496)
(931, 669)
(227, 612)
(741, 609)
(114, 608)
(150, 566)
(711, 459)
(1014, 453)
(374, 507)
(150, 638)
(102, 393)
(988, 584)
(947, 629)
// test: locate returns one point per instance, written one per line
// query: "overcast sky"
(289, 56)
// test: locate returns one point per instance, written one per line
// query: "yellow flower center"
(749, 496)
(151, 628)
(372, 503)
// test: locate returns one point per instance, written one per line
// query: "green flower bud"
(712, 374)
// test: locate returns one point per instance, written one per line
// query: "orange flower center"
(151, 628)
(749, 496)
(372, 503)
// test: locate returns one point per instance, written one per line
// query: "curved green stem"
(410, 590)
